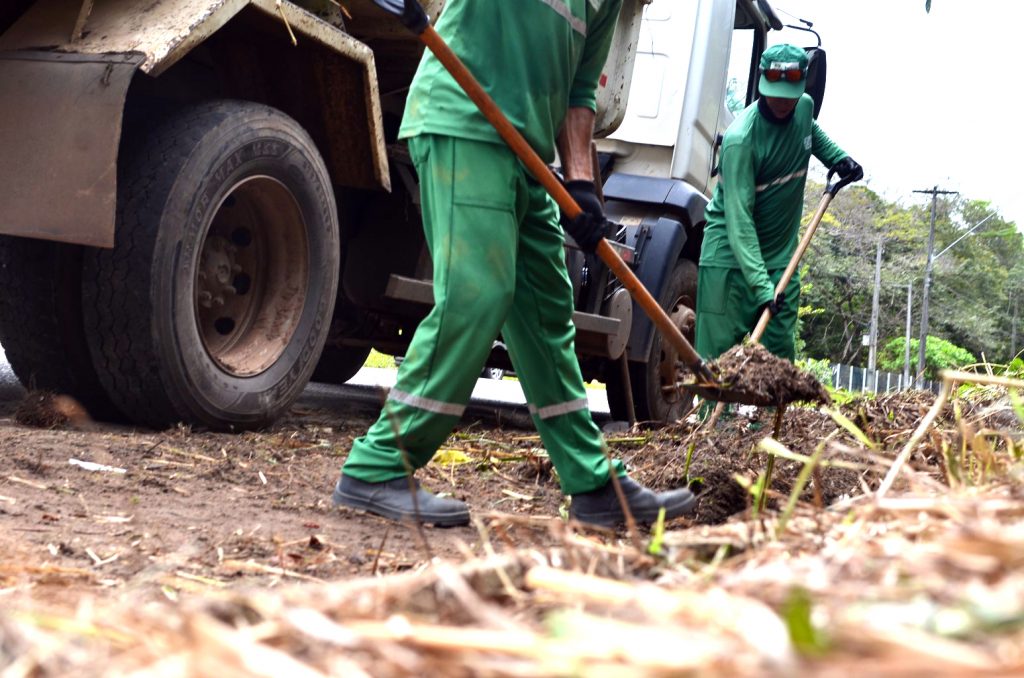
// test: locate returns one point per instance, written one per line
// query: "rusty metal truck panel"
(161, 33)
(60, 143)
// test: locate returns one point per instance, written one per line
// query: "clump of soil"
(766, 379)
(43, 409)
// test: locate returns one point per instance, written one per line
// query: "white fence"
(862, 379)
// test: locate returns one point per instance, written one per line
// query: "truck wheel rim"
(684, 318)
(252, 277)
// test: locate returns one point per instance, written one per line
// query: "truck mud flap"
(60, 127)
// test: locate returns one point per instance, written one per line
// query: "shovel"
(415, 19)
(722, 393)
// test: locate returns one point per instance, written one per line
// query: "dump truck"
(204, 204)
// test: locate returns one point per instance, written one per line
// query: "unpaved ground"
(228, 510)
(189, 502)
(181, 564)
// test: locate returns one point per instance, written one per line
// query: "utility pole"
(906, 347)
(1013, 332)
(935, 193)
(873, 346)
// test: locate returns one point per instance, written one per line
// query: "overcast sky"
(923, 99)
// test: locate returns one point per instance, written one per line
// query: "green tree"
(974, 282)
(939, 354)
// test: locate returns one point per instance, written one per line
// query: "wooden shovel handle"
(794, 261)
(546, 177)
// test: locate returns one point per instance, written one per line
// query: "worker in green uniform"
(753, 219)
(497, 249)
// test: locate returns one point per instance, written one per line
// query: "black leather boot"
(392, 499)
(602, 507)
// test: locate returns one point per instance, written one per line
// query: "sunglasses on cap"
(790, 72)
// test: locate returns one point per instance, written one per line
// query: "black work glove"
(775, 305)
(848, 169)
(588, 228)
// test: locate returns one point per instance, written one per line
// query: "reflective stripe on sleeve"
(559, 409)
(428, 404)
(781, 180)
(562, 9)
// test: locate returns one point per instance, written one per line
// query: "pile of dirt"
(712, 461)
(766, 379)
(43, 409)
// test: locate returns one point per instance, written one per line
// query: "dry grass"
(921, 572)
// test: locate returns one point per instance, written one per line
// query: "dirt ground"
(186, 503)
(254, 508)
(190, 553)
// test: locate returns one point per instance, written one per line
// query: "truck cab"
(696, 67)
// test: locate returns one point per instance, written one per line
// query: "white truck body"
(685, 60)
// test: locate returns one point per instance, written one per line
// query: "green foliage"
(804, 311)
(973, 288)
(808, 639)
(657, 534)
(840, 396)
(939, 354)
(1018, 405)
(851, 428)
(734, 98)
(686, 467)
(821, 369)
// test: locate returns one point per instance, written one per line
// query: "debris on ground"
(829, 579)
(762, 377)
(44, 409)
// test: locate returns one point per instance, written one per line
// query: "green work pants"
(727, 312)
(499, 265)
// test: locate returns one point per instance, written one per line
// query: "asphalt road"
(10, 389)
(500, 399)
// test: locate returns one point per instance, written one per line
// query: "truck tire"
(41, 321)
(654, 399)
(215, 303)
(338, 364)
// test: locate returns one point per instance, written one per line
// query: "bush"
(939, 354)
(821, 369)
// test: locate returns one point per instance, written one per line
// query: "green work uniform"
(536, 58)
(753, 227)
(494, 237)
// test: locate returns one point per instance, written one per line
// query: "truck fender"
(660, 218)
(660, 241)
(667, 196)
(122, 38)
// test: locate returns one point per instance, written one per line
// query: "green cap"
(786, 60)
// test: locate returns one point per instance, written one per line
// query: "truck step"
(422, 292)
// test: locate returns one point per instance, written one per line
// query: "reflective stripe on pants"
(499, 265)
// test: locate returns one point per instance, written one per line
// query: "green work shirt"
(536, 58)
(753, 219)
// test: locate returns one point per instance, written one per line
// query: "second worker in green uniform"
(753, 219)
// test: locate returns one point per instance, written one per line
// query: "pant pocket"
(713, 290)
